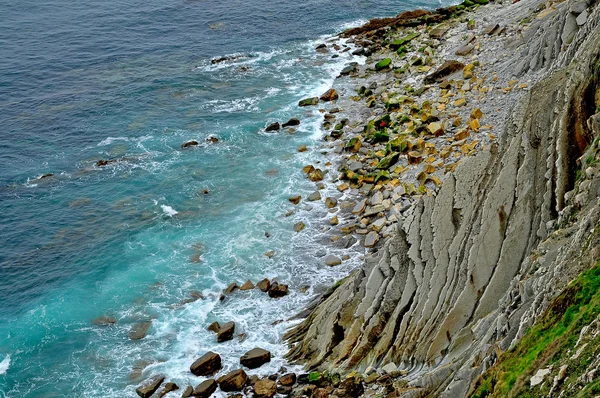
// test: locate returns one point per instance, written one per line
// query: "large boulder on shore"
(447, 68)
(150, 386)
(226, 332)
(139, 330)
(278, 290)
(265, 388)
(205, 389)
(255, 358)
(292, 122)
(233, 381)
(207, 364)
(330, 95)
(309, 101)
(264, 285)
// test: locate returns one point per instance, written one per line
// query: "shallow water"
(132, 80)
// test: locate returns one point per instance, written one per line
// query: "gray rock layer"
(472, 267)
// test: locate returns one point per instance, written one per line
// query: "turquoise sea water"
(133, 80)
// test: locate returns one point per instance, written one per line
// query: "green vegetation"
(549, 341)
(384, 63)
(400, 42)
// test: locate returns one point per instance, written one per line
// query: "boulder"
(265, 388)
(278, 290)
(273, 127)
(189, 144)
(309, 101)
(139, 330)
(438, 33)
(226, 332)
(205, 389)
(446, 69)
(231, 288)
(167, 389)
(288, 379)
(491, 29)
(292, 122)
(255, 358)
(295, 199)
(332, 260)
(104, 321)
(187, 392)
(464, 50)
(248, 285)
(150, 386)
(299, 226)
(233, 381)
(314, 196)
(207, 364)
(350, 387)
(264, 285)
(214, 327)
(316, 175)
(383, 64)
(330, 202)
(371, 239)
(351, 68)
(330, 95)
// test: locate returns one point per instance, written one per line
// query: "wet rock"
(207, 364)
(316, 175)
(371, 239)
(150, 386)
(295, 199)
(322, 48)
(332, 260)
(188, 392)
(351, 387)
(320, 393)
(139, 330)
(330, 95)
(214, 327)
(351, 68)
(278, 290)
(446, 69)
(104, 321)
(299, 226)
(359, 207)
(264, 285)
(302, 148)
(273, 127)
(309, 101)
(330, 202)
(226, 332)
(255, 358)
(292, 122)
(205, 389)
(334, 220)
(383, 64)
(288, 379)
(265, 388)
(211, 139)
(314, 196)
(233, 381)
(169, 387)
(248, 285)
(231, 288)
(189, 144)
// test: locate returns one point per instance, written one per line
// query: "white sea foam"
(168, 210)
(4, 365)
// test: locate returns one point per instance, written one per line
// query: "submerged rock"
(139, 330)
(255, 358)
(273, 127)
(104, 321)
(189, 144)
(207, 364)
(292, 122)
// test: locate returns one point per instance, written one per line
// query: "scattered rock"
(265, 388)
(464, 50)
(264, 285)
(248, 285)
(302, 148)
(169, 387)
(188, 392)
(330, 202)
(299, 226)
(273, 127)
(255, 358)
(491, 29)
(104, 321)
(205, 389)
(309, 101)
(226, 332)
(332, 260)
(206, 365)
(292, 122)
(316, 175)
(189, 144)
(539, 377)
(383, 64)
(314, 196)
(139, 330)
(231, 288)
(446, 69)
(278, 290)
(295, 199)
(233, 381)
(288, 379)
(214, 327)
(150, 386)
(438, 33)
(371, 239)
(330, 95)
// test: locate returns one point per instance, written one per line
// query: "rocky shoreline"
(414, 135)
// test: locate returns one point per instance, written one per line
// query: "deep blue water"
(84, 81)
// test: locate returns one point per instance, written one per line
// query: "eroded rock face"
(471, 268)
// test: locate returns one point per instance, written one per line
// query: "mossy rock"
(399, 144)
(383, 122)
(388, 161)
(354, 144)
(392, 105)
(315, 377)
(309, 101)
(370, 128)
(482, 2)
(468, 3)
(400, 42)
(383, 175)
(383, 64)
(380, 136)
(401, 51)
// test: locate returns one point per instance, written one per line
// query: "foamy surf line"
(4, 365)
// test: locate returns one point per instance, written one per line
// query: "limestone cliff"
(471, 268)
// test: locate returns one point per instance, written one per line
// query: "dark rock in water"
(278, 290)
(231, 288)
(226, 332)
(265, 388)
(205, 389)
(233, 381)
(45, 176)
(207, 364)
(189, 144)
(227, 58)
(139, 330)
(447, 68)
(288, 379)
(212, 139)
(248, 285)
(292, 122)
(330, 95)
(309, 101)
(322, 48)
(264, 285)
(255, 358)
(104, 321)
(104, 162)
(167, 389)
(188, 392)
(150, 386)
(285, 390)
(273, 127)
(351, 68)
(214, 327)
